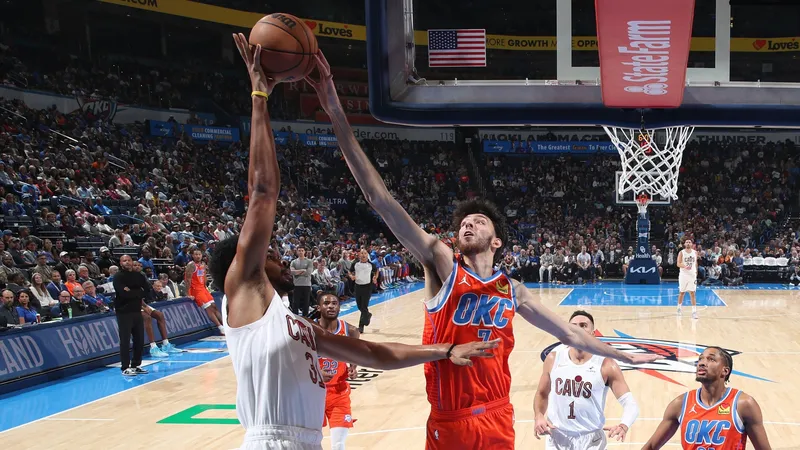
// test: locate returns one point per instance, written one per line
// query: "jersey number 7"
(485, 335)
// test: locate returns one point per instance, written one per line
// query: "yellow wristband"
(259, 94)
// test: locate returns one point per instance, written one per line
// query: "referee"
(366, 275)
(131, 288)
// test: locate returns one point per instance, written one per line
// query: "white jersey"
(280, 393)
(690, 260)
(577, 394)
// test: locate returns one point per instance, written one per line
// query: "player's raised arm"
(668, 426)
(750, 413)
(263, 185)
(426, 248)
(390, 356)
(536, 314)
(540, 401)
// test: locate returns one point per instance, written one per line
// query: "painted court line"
(107, 396)
(81, 420)
(718, 297)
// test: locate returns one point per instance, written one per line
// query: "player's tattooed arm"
(750, 413)
(532, 310)
(668, 426)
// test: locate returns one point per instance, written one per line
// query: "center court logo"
(679, 357)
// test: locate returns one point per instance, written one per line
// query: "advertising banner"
(336, 30)
(362, 132)
(309, 104)
(197, 132)
(101, 108)
(44, 347)
(538, 147)
(644, 50)
(346, 88)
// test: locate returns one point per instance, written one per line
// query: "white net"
(651, 158)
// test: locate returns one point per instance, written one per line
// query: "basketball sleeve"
(630, 409)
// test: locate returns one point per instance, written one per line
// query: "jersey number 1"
(571, 411)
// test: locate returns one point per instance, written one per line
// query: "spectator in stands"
(16, 282)
(64, 264)
(585, 266)
(794, 278)
(148, 315)
(25, 310)
(8, 312)
(598, 261)
(40, 295)
(174, 284)
(55, 286)
(92, 297)
(146, 260)
(69, 306)
(162, 292)
(88, 262)
(41, 267)
(72, 281)
(546, 261)
(301, 268)
(105, 260)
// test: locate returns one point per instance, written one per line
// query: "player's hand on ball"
(643, 358)
(252, 59)
(543, 426)
(618, 432)
(461, 354)
(326, 90)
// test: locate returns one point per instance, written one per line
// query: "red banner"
(352, 88)
(309, 105)
(644, 50)
(352, 119)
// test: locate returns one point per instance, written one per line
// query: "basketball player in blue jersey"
(280, 394)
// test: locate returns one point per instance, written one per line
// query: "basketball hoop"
(641, 203)
(651, 158)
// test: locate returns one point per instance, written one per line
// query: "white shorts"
(687, 282)
(281, 438)
(558, 440)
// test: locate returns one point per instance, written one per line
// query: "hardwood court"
(391, 407)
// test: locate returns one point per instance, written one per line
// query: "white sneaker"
(129, 372)
(695, 316)
(679, 310)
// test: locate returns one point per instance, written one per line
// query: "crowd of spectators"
(732, 200)
(79, 191)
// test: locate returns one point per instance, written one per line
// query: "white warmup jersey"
(280, 394)
(577, 394)
(687, 277)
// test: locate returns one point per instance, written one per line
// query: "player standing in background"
(467, 299)
(280, 392)
(338, 414)
(725, 424)
(571, 397)
(687, 279)
(194, 277)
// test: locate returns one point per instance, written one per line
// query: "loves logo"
(330, 29)
(758, 44)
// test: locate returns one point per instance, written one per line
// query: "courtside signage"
(644, 49)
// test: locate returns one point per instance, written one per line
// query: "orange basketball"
(288, 46)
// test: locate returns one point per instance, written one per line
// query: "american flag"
(457, 48)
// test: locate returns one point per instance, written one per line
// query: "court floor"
(187, 402)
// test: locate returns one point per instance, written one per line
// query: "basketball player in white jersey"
(687, 279)
(280, 394)
(571, 397)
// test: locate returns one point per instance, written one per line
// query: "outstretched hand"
(461, 354)
(617, 431)
(326, 90)
(259, 80)
(644, 358)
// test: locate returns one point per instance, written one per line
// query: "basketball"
(288, 46)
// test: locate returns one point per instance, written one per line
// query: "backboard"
(543, 63)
